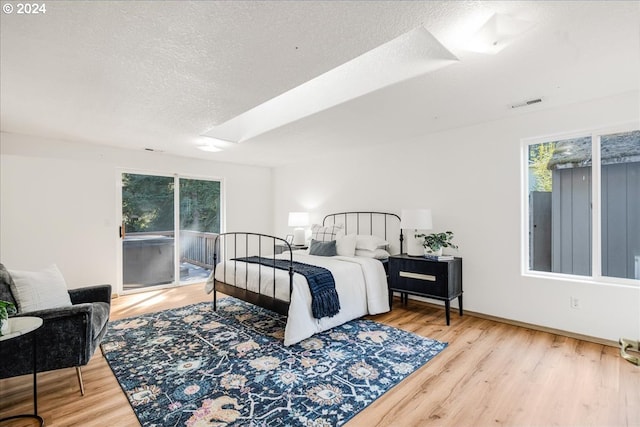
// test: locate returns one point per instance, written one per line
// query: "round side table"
(19, 326)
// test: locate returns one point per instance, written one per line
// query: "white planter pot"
(428, 251)
(4, 328)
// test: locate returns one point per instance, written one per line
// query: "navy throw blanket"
(324, 298)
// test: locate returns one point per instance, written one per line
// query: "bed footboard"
(228, 248)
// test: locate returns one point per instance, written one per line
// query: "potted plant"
(434, 242)
(6, 308)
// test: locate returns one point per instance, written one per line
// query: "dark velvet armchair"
(68, 337)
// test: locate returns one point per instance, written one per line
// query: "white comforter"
(360, 282)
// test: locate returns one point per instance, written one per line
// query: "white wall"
(58, 202)
(470, 178)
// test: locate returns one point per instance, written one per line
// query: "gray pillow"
(323, 248)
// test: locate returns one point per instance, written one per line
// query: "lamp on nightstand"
(415, 220)
(298, 220)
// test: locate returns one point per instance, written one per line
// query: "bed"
(266, 271)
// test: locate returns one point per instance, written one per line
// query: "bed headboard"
(382, 224)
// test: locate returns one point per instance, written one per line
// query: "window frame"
(596, 205)
(176, 176)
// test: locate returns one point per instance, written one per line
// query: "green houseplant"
(434, 242)
(6, 308)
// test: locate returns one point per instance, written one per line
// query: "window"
(583, 204)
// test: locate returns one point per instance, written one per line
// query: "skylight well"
(412, 54)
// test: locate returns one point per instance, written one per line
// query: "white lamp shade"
(298, 219)
(416, 219)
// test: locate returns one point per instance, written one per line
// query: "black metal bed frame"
(270, 301)
(256, 298)
(371, 215)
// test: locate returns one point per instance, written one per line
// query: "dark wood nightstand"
(281, 248)
(416, 275)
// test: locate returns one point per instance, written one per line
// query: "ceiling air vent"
(527, 103)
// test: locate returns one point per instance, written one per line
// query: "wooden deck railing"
(195, 247)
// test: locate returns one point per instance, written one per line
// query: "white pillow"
(346, 245)
(40, 290)
(370, 243)
(377, 253)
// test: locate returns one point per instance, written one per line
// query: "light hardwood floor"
(490, 374)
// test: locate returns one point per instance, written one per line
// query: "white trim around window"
(596, 204)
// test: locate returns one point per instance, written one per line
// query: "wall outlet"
(575, 302)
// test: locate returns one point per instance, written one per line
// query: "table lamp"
(298, 220)
(415, 220)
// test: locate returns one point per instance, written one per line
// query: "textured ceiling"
(160, 74)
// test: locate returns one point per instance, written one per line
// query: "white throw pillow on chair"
(40, 290)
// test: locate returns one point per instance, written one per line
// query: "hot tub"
(147, 260)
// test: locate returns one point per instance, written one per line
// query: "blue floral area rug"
(199, 368)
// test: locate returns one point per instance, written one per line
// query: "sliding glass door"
(148, 243)
(168, 227)
(199, 224)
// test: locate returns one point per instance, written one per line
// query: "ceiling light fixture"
(213, 145)
(219, 142)
(412, 54)
(209, 148)
(497, 33)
